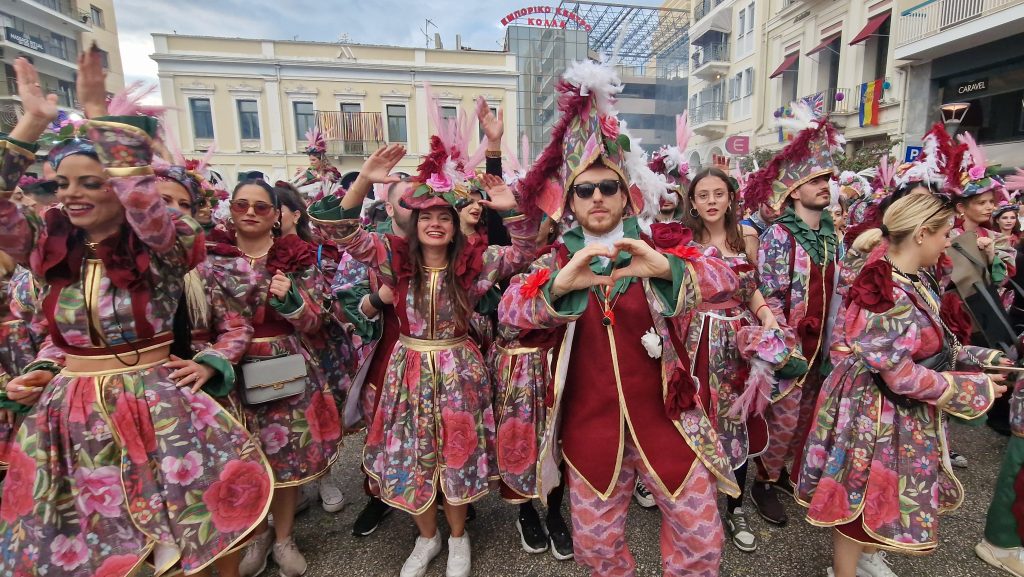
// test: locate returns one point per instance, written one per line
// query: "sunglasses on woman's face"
(242, 206)
(585, 190)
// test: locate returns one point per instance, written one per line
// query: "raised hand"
(92, 83)
(377, 168)
(492, 126)
(501, 197)
(40, 109)
(576, 274)
(645, 262)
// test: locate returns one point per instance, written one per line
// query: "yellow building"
(253, 99)
(103, 31)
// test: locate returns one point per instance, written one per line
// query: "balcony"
(57, 10)
(65, 91)
(942, 27)
(350, 133)
(709, 119)
(710, 61)
(702, 8)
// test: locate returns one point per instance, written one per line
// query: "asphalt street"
(797, 549)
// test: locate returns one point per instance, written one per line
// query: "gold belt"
(517, 351)
(431, 346)
(82, 366)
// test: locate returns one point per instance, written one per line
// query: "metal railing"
(65, 7)
(934, 17)
(701, 8)
(707, 112)
(708, 53)
(351, 133)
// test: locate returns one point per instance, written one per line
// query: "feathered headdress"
(807, 157)
(976, 175)
(929, 167)
(587, 133)
(669, 161)
(316, 144)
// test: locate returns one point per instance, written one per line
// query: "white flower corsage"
(652, 343)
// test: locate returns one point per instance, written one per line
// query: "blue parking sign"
(913, 152)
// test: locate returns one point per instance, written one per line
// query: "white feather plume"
(598, 78)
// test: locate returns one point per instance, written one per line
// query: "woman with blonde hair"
(876, 463)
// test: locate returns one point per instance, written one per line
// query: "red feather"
(433, 162)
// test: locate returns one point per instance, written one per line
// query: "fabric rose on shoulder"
(873, 288)
(666, 235)
(290, 254)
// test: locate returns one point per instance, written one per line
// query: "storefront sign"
(546, 17)
(738, 145)
(973, 86)
(913, 153)
(24, 40)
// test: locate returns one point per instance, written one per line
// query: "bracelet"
(763, 306)
(376, 302)
(492, 154)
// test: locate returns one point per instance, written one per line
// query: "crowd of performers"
(182, 363)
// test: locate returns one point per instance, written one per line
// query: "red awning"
(824, 44)
(873, 25)
(786, 64)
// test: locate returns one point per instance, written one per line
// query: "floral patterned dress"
(711, 331)
(111, 467)
(434, 425)
(300, 434)
(17, 348)
(878, 469)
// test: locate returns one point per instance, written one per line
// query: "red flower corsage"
(873, 288)
(531, 287)
(290, 254)
(670, 235)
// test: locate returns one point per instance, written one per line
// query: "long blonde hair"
(904, 218)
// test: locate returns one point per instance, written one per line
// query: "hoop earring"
(728, 209)
(277, 225)
(694, 213)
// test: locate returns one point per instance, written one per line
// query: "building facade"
(253, 100)
(51, 33)
(969, 51)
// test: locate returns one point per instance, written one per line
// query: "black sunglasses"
(608, 187)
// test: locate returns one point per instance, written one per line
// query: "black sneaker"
(643, 495)
(785, 485)
(371, 516)
(470, 513)
(531, 534)
(766, 500)
(561, 539)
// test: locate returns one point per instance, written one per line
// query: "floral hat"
(587, 133)
(976, 175)
(937, 153)
(807, 157)
(1003, 208)
(316, 144)
(668, 160)
(853, 186)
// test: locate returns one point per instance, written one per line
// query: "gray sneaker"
(289, 559)
(254, 560)
(739, 530)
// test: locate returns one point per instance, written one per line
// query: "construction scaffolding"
(648, 33)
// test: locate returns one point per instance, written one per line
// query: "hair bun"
(885, 231)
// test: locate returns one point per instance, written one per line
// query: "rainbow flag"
(870, 98)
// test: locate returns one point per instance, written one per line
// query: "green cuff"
(221, 383)
(998, 271)
(795, 367)
(43, 365)
(511, 213)
(142, 122)
(569, 305)
(368, 330)
(13, 406)
(668, 291)
(291, 303)
(29, 146)
(329, 209)
(489, 302)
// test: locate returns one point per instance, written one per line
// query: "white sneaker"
(1009, 560)
(874, 565)
(739, 530)
(422, 554)
(959, 461)
(332, 498)
(643, 496)
(459, 561)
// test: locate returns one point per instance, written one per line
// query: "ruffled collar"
(815, 242)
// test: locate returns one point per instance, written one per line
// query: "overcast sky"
(396, 22)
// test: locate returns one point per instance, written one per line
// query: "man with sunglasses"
(799, 271)
(622, 402)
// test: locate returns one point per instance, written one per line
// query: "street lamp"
(953, 114)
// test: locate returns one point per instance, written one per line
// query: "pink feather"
(525, 158)
(683, 132)
(1015, 181)
(477, 157)
(886, 171)
(977, 155)
(128, 102)
(511, 161)
(756, 393)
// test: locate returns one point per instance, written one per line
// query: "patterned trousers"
(789, 422)
(691, 530)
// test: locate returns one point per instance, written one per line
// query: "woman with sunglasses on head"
(300, 433)
(114, 442)
(876, 463)
(433, 431)
(723, 336)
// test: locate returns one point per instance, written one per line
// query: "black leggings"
(741, 480)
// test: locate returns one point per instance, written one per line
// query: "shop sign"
(738, 145)
(22, 39)
(546, 17)
(980, 85)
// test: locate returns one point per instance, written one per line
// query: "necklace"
(608, 306)
(950, 336)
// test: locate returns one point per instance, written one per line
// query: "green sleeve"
(291, 302)
(221, 383)
(31, 147)
(568, 305)
(13, 406)
(368, 330)
(329, 209)
(670, 291)
(999, 270)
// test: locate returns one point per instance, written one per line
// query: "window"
(97, 17)
(350, 108)
(305, 118)
(748, 82)
(742, 27)
(449, 112)
(398, 130)
(882, 49)
(249, 119)
(202, 117)
(750, 18)
(104, 58)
